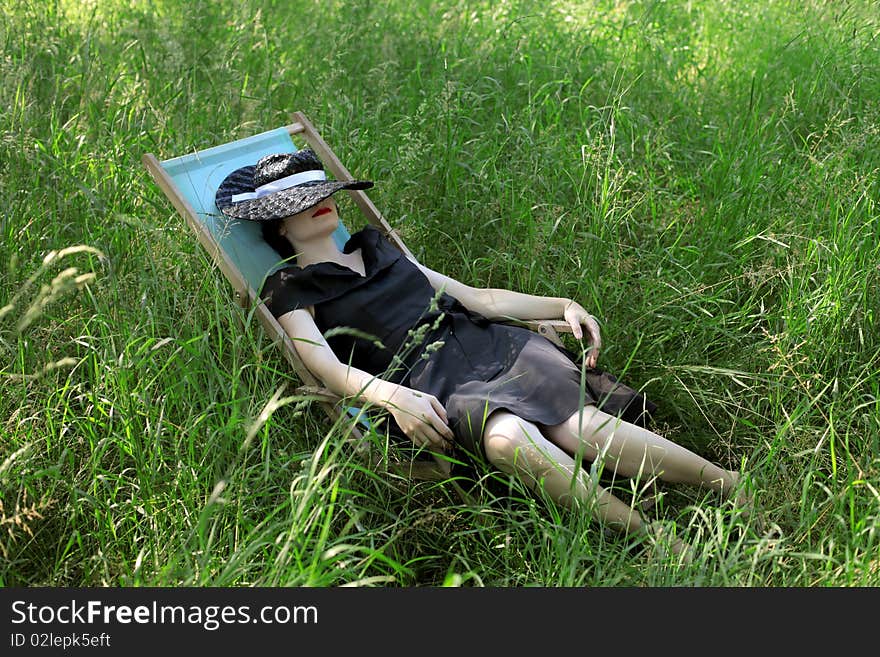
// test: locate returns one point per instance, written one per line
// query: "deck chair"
(245, 259)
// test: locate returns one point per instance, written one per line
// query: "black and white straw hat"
(278, 186)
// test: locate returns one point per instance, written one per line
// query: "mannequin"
(544, 451)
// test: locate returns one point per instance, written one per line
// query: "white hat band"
(282, 183)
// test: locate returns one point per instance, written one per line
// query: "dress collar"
(376, 251)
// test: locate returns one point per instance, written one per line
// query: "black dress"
(391, 323)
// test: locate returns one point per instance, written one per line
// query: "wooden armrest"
(555, 324)
(549, 328)
(318, 393)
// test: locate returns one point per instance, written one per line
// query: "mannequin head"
(316, 222)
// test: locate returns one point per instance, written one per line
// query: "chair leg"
(241, 300)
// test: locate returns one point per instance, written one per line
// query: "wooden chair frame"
(248, 298)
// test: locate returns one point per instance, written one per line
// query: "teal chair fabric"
(197, 176)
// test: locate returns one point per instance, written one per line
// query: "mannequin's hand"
(421, 417)
(578, 319)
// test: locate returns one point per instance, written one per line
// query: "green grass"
(702, 176)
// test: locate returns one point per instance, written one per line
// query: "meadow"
(702, 176)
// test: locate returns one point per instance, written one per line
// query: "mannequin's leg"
(631, 450)
(518, 447)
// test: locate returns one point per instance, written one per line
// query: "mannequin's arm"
(421, 416)
(500, 304)
(496, 303)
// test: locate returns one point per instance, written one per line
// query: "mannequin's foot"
(665, 541)
(742, 491)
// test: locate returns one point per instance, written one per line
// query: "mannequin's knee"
(507, 440)
(501, 450)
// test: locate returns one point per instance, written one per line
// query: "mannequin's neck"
(324, 249)
(317, 249)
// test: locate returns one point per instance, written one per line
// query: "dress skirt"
(539, 383)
